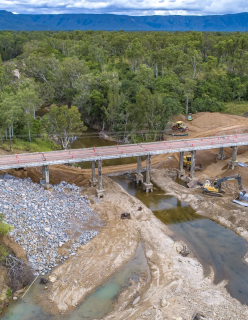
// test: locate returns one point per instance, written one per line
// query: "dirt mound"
(209, 120)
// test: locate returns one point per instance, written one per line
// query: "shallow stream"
(96, 305)
(212, 244)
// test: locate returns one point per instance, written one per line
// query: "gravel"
(45, 220)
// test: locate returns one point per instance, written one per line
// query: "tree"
(63, 123)
(10, 112)
(188, 89)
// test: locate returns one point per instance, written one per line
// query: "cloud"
(130, 7)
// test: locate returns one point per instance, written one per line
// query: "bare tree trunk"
(29, 133)
(187, 105)
(10, 138)
(156, 71)
(12, 127)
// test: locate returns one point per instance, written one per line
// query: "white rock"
(15, 298)
(136, 300)
(52, 278)
(163, 303)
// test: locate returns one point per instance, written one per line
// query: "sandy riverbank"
(180, 281)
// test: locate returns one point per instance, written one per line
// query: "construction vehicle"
(214, 187)
(187, 163)
(190, 118)
(180, 126)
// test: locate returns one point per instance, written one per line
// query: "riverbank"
(177, 282)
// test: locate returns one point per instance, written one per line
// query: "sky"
(127, 7)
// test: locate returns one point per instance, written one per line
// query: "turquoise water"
(95, 306)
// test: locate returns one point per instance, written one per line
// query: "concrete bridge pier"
(93, 180)
(232, 163)
(139, 176)
(220, 155)
(148, 186)
(192, 167)
(181, 171)
(100, 192)
(45, 176)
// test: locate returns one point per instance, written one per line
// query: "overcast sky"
(130, 7)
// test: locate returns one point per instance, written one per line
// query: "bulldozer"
(180, 126)
(214, 187)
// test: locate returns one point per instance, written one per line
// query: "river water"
(96, 305)
(91, 139)
(212, 244)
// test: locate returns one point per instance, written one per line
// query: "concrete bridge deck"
(44, 159)
(120, 151)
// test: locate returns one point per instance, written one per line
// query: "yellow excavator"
(214, 187)
(187, 163)
(180, 126)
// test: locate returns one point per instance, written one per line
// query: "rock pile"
(43, 221)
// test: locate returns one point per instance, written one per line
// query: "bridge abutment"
(100, 192)
(139, 176)
(148, 186)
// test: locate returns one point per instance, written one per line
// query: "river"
(212, 244)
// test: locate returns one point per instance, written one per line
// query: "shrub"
(4, 227)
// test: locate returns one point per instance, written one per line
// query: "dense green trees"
(63, 123)
(122, 81)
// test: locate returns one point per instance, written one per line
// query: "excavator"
(214, 187)
(187, 163)
(180, 126)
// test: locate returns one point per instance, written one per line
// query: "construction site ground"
(178, 287)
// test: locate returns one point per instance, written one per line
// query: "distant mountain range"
(111, 22)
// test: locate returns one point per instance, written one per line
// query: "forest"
(123, 82)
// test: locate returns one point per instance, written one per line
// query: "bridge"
(98, 154)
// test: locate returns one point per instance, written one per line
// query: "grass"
(3, 253)
(37, 145)
(8, 293)
(236, 108)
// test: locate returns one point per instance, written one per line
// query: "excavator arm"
(229, 178)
